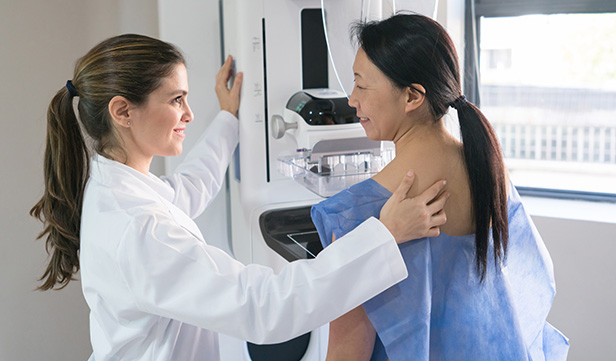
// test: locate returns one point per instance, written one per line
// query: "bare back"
(435, 157)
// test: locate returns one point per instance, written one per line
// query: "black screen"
(314, 50)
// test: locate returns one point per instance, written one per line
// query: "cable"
(329, 50)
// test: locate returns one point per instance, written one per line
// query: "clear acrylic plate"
(328, 174)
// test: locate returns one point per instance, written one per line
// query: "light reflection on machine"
(299, 139)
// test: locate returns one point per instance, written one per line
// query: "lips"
(179, 132)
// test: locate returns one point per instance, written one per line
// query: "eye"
(356, 85)
(179, 100)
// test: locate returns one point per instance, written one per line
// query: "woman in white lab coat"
(155, 288)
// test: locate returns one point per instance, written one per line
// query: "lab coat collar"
(120, 176)
(112, 173)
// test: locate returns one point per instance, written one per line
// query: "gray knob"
(279, 126)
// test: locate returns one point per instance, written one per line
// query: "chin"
(372, 136)
(174, 153)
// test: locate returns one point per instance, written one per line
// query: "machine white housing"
(307, 136)
(265, 38)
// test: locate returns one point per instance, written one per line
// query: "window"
(546, 79)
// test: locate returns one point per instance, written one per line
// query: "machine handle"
(279, 126)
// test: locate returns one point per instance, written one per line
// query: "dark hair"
(132, 66)
(414, 49)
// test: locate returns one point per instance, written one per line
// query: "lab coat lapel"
(183, 220)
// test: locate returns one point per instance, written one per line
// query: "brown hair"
(414, 49)
(132, 66)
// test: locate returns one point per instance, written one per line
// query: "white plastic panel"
(339, 18)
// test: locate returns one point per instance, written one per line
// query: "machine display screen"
(322, 111)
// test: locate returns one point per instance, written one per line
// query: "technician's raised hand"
(229, 99)
(412, 218)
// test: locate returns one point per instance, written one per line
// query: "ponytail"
(486, 172)
(65, 172)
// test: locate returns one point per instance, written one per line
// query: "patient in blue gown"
(482, 288)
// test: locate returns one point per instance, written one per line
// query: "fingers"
(429, 194)
(418, 217)
(433, 232)
(228, 94)
(226, 67)
(438, 204)
(237, 85)
(224, 73)
(404, 187)
(438, 219)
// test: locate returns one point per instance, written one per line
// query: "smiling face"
(380, 106)
(157, 126)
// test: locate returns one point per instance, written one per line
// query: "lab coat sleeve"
(172, 274)
(197, 180)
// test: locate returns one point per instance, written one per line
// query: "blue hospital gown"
(442, 311)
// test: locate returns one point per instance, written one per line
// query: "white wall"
(194, 27)
(39, 43)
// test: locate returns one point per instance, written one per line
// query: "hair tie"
(456, 104)
(71, 88)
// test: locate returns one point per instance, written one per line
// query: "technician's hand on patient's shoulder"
(229, 99)
(413, 218)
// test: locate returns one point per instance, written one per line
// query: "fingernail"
(409, 174)
(444, 182)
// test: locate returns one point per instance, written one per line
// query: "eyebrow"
(357, 74)
(178, 92)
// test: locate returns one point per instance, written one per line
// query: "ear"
(415, 96)
(119, 109)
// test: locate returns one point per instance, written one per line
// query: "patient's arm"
(351, 337)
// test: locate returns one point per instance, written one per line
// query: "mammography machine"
(300, 141)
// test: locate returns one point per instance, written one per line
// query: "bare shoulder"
(430, 164)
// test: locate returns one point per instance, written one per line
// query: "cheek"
(167, 121)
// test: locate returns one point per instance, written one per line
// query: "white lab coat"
(157, 291)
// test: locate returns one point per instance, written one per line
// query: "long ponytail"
(414, 49)
(65, 172)
(486, 173)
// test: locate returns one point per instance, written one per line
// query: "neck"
(419, 133)
(141, 165)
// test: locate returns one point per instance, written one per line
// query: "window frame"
(474, 10)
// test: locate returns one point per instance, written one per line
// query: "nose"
(352, 100)
(188, 114)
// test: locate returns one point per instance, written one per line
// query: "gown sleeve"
(198, 179)
(171, 274)
(338, 215)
